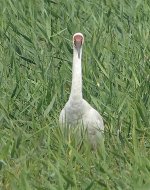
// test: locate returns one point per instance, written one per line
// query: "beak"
(78, 47)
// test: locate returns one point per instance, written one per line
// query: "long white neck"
(76, 88)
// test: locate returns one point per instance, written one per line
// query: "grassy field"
(35, 80)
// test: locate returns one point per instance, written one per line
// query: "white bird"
(77, 110)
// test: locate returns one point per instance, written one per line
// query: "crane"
(78, 111)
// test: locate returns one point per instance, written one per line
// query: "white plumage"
(77, 110)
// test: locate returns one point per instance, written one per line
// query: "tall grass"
(35, 79)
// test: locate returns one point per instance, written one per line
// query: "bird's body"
(78, 111)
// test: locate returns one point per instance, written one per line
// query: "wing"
(62, 117)
(94, 123)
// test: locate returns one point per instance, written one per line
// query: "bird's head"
(78, 40)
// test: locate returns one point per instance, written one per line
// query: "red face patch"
(78, 38)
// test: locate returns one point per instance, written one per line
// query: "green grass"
(35, 79)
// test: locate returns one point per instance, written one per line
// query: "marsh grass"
(35, 79)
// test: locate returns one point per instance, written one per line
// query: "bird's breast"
(74, 113)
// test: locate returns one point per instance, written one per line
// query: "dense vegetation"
(35, 79)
